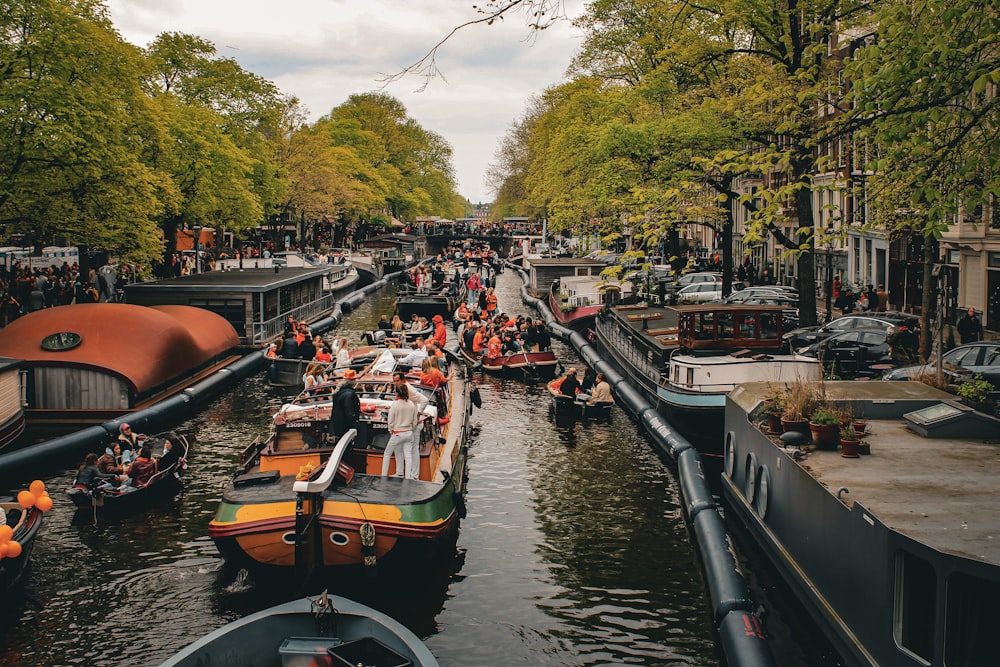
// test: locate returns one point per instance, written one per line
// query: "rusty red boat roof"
(144, 345)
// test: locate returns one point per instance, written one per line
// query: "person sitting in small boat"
(430, 373)
(422, 324)
(143, 468)
(433, 350)
(302, 332)
(343, 354)
(323, 355)
(272, 351)
(461, 315)
(289, 347)
(418, 353)
(397, 323)
(129, 443)
(109, 462)
(307, 349)
(383, 323)
(570, 385)
(542, 337)
(414, 322)
(171, 454)
(313, 376)
(602, 391)
(494, 348)
(588, 381)
(89, 477)
(479, 340)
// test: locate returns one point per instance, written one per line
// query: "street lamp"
(829, 271)
(197, 245)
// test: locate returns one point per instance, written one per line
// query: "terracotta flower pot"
(799, 425)
(825, 436)
(774, 424)
(849, 449)
(859, 426)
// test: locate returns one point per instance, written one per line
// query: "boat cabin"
(729, 327)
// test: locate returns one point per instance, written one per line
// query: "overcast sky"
(323, 51)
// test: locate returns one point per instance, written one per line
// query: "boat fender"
(743, 640)
(458, 498)
(367, 534)
(694, 490)
(726, 586)
(443, 420)
(477, 399)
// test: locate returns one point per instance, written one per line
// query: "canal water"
(574, 550)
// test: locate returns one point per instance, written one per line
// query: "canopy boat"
(166, 482)
(359, 516)
(578, 405)
(326, 631)
(25, 524)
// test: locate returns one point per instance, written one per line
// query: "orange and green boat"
(298, 501)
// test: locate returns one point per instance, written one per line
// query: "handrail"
(321, 483)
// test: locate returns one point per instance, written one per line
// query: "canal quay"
(574, 551)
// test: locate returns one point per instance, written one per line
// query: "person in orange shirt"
(440, 336)
(479, 341)
(493, 347)
(431, 375)
(491, 302)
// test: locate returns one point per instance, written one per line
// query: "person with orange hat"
(440, 336)
(346, 411)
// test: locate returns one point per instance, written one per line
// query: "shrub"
(825, 418)
(977, 389)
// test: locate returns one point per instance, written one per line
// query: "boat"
(395, 337)
(289, 372)
(576, 300)
(684, 359)
(327, 630)
(441, 300)
(520, 365)
(360, 516)
(165, 483)
(89, 363)
(576, 406)
(894, 554)
(341, 277)
(11, 401)
(24, 524)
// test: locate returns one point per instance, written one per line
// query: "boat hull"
(579, 318)
(532, 365)
(13, 570)
(12, 428)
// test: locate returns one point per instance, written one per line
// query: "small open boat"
(520, 365)
(329, 630)
(25, 524)
(165, 482)
(395, 338)
(266, 521)
(577, 406)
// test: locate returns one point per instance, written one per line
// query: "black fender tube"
(726, 587)
(741, 633)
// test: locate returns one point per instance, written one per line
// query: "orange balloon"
(44, 503)
(37, 487)
(3, 549)
(6, 532)
(13, 549)
(26, 498)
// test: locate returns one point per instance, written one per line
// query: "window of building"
(915, 605)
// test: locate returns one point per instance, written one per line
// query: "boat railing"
(322, 482)
(250, 455)
(272, 328)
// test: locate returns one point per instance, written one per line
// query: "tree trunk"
(727, 252)
(927, 298)
(806, 281)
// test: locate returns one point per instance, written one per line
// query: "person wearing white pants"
(401, 419)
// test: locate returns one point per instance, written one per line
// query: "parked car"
(803, 336)
(852, 354)
(672, 287)
(961, 363)
(762, 290)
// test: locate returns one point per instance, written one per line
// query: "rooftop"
(247, 280)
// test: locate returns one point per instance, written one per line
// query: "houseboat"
(88, 363)
(11, 401)
(685, 358)
(256, 302)
(894, 554)
(340, 279)
(360, 515)
(576, 300)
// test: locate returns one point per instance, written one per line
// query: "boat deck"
(374, 489)
(653, 322)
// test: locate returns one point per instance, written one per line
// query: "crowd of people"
(128, 463)
(25, 289)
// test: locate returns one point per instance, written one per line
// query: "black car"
(854, 353)
(798, 338)
(963, 362)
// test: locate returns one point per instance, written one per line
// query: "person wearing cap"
(346, 409)
(440, 336)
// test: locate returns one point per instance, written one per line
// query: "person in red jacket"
(440, 336)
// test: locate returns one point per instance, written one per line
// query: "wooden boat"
(576, 406)
(522, 365)
(25, 524)
(441, 301)
(164, 483)
(90, 363)
(893, 555)
(328, 630)
(360, 516)
(289, 372)
(395, 338)
(11, 401)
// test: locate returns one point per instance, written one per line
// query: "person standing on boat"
(346, 409)
(440, 336)
(473, 285)
(401, 420)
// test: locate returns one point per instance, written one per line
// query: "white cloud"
(323, 51)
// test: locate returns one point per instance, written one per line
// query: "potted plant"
(825, 427)
(773, 409)
(976, 392)
(860, 425)
(849, 442)
(800, 401)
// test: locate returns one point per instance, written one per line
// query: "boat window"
(726, 325)
(915, 605)
(769, 325)
(748, 325)
(971, 617)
